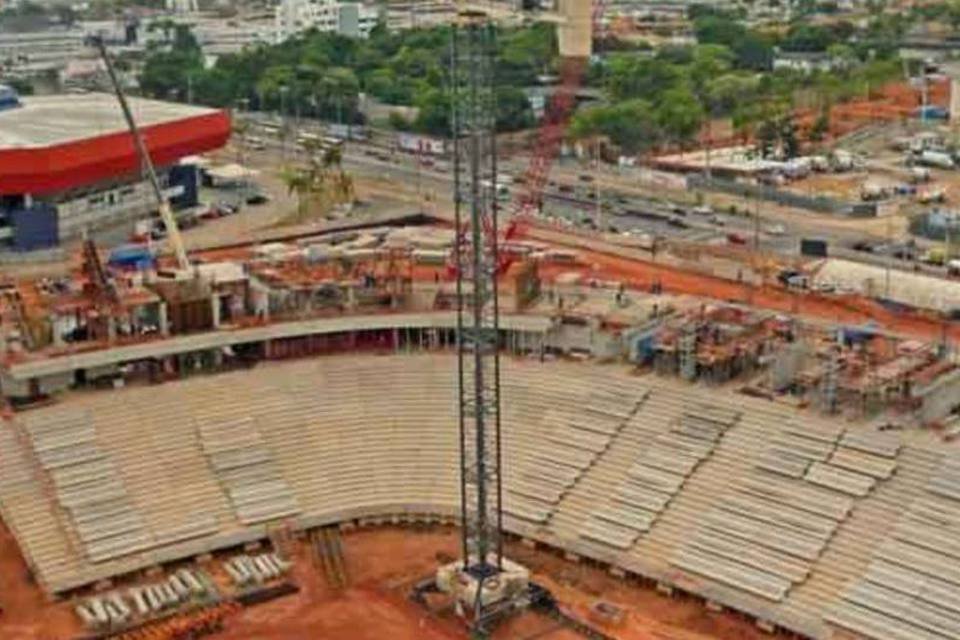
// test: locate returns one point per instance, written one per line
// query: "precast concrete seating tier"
(657, 474)
(806, 523)
(911, 588)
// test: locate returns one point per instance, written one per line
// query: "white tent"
(914, 289)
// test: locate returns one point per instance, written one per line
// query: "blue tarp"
(131, 256)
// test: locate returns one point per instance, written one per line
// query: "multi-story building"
(327, 16)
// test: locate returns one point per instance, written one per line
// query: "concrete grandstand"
(751, 505)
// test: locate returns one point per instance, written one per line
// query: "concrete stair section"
(908, 582)
(32, 515)
(574, 522)
(374, 437)
(87, 485)
(575, 432)
(689, 514)
(243, 463)
(657, 474)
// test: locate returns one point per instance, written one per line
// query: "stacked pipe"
(114, 609)
(245, 570)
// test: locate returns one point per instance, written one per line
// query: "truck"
(919, 175)
(871, 192)
(841, 160)
(425, 145)
(934, 255)
(928, 196)
(937, 159)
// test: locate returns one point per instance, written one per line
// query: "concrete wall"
(940, 397)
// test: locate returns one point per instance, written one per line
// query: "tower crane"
(486, 585)
(163, 204)
(577, 23)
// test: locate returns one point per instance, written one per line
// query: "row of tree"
(666, 97)
(322, 74)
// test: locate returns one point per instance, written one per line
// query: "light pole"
(242, 106)
(283, 121)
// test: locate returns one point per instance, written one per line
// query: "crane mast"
(475, 176)
(166, 213)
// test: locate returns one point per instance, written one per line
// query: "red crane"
(556, 120)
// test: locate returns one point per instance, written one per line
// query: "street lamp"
(283, 120)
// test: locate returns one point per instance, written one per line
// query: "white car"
(776, 229)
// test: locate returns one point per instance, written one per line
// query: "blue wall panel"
(34, 228)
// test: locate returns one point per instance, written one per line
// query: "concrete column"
(954, 100)
(54, 334)
(215, 309)
(162, 319)
(111, 329)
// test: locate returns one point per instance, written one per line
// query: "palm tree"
(321, 182)
(300, 182)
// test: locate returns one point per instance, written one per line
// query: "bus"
(255, 143)
(305, 139)
(270, 129)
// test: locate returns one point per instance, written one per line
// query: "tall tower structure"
(485, 584)
(475, 176)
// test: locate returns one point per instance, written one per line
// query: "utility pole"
(756, 225)
(596, 184)
(283, 121)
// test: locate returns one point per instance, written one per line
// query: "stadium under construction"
(406, 422)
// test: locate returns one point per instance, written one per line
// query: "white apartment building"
(329, 16)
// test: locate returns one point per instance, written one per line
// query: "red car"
(736, 238)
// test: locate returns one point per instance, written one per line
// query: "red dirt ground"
(603, 263)
(383, 564)
(26, 614)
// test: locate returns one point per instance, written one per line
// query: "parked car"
(258, 198)
(736, 238)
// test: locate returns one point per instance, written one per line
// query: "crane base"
(505, 589)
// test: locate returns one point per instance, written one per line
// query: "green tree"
(629, 77)
(170, 70)
(631, 125)
(680, 115)
(726, 92)
(821, 125)
(321, 183)
(433, 116)
(513, 109)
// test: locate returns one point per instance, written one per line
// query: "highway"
(625, 206)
